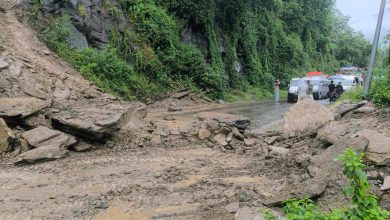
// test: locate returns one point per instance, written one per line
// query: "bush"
(380, 92)
(364, 204)
(354, 95)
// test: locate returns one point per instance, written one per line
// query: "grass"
(354, 95)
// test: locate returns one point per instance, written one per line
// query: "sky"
(364, 16)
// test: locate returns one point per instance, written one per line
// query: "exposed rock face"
(306, 116)
(94, 122)
(386, 183)
(14, 109)
(237, 121)
(7, 137)
(42, 136)
(41, 154)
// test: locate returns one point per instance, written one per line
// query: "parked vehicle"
(320, 86)
(348, 82)
(293, 90)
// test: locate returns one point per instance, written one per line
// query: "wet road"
(261, 113)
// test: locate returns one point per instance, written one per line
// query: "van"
(293, 90)
(320, 86)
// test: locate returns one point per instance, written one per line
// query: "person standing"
(277, 91)
(309, 89)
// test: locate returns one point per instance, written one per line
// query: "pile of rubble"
(43, 114)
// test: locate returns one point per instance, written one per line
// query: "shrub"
(364, 205)
(354, 95)
(380, 92)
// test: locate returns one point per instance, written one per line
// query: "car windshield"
(294, 83)
(315, 82)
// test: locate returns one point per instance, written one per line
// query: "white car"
(320, 86)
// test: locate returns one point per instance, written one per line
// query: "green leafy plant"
(380, 92)
(364, 205)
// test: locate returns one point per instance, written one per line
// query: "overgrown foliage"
(223, 46)
(364, 205)
(380, 92)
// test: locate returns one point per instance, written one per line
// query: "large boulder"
(237, 121)
(15, 109)
(42, 136)
(306, 116)
(7, 137)
(41, 154)
(95, 122)
(378, 151)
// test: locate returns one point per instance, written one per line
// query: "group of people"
(335, 91)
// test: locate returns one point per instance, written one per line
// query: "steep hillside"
(213, 46)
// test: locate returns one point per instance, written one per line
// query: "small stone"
(82, 147)
(245, 195)
(174, 109)
(223, 130)
(232, 207)
(156, 140)
(386, 183)
(46, 52)
(278, 151)
(371, 175)
(203, 134)
(46, 153)
(237, 134)
(221, 139)
(8, 139)
(3, 64)
(229, 137)
(250, 142)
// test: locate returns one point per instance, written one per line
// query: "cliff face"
(233, 44)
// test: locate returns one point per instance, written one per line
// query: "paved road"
(261, 113)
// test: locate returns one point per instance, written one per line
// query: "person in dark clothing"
(339, 89)
(332, 87)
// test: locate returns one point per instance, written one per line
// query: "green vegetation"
(236, 48)
(354, 95)
(364, 204)
(380, 90)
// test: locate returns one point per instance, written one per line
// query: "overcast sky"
(364, 15)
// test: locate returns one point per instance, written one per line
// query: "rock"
(81, 147)
(365, 110)
(15, 109)
(346, 107)
(247, 213)
(232, 207)
(220, 139)
(180, 95)
(229, 137)
(250, 142)
(203, 134)
(61, 91)
(15, 69)
(372, 175)
(46, 153)
(378, 150)
(46, 52)
(245, 195)
(271, 140)
(8, 140)
(306, 116)
(223, 130)
(42, 136)
(237, 121)
(237, 134)
(29, 88)
(386, 183)
(95, 122)
(156, 140)
(174, 109)
(278, 151)
(77, 39)
(3, 64)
